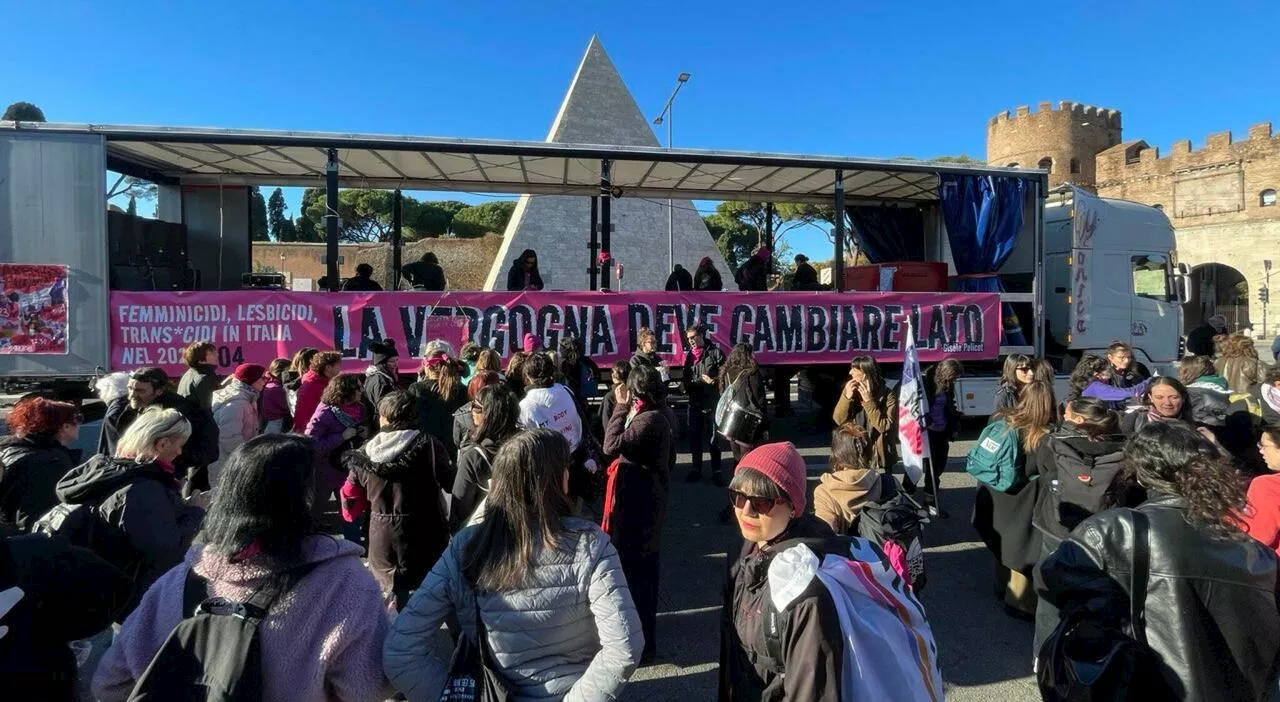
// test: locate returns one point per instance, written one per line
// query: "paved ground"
(985, 655)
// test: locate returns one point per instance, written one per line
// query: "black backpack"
(899, 519)
(213, 654)
(1082, 487)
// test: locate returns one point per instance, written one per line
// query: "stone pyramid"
(598, 109)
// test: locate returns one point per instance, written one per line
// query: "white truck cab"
(1110, 273)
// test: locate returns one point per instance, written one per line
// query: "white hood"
(388, 444)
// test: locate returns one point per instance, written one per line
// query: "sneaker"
(940, 513)
(693, 477)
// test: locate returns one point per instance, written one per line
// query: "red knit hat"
(249, 373)
(781, 463)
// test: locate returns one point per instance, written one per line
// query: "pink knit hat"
(781, 463)
(530, 343)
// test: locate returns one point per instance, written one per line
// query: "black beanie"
(383, 350)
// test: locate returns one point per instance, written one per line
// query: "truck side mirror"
(1182, 284)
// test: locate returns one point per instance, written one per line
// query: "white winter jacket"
(235, 409)
(573, 634)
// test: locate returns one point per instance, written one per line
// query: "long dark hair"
(263, 499)
(1085, 372)
(500, 419)
(1174, 458)
(1099, 420)
(1009, 372)
(522, 513)
(341, 388)
(741, 360)
(645, 384)
(942, 376)
(871, 369)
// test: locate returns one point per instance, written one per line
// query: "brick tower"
(1065, 140)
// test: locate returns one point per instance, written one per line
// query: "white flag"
(912, 435)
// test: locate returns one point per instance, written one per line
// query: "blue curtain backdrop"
(983, 215)
(889, 233)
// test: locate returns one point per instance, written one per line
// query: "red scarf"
(612, 471)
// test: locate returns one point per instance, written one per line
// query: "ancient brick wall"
(1222, 182)
(465, 261)
(1069, 136)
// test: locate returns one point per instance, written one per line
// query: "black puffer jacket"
(200, 450)
(702, 394)
(808, 628)
(402, 473)
(1070, 455)
(750, 393)
(1209, 406)
(1211, 613)
(435, 411)
(151, 526)
(30, 468)
(70, 594)
(198, 384)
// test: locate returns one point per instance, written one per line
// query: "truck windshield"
(1151, 276)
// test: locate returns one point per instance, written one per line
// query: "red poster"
(33, 308)
(151, 328)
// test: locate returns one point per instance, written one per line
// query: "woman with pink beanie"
(769, 494)
(809, 615)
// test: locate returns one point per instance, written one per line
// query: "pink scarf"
(697, 353)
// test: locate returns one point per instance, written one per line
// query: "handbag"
(1087, 658)
(473, 675)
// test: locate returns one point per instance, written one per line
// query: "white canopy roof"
(260, 157)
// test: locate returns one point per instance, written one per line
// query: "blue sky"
(872, 79)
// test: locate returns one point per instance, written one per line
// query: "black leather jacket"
(1211, 611)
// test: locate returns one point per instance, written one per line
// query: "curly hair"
(1239, 346)
(741, 360)
(1172, 457)
(1085, 372)
(37, 416)
(324, 359)
(342, 389)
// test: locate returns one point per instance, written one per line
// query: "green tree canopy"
(277, 217)
(424, 220)
(305, 231)
(491, 217)
(257, 215)
(23, 112)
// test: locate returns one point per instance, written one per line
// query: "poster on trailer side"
(151, 328)
(33, 308)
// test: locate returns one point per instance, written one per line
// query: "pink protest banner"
(150, 328)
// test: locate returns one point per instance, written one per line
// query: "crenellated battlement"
(1065, 109)
(1218, 147)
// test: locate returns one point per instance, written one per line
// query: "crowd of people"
(493, 508)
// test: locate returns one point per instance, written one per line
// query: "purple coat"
(325, 429)
(275, 402)
(321, 641)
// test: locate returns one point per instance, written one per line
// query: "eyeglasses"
(1024, 369)
(759, 505)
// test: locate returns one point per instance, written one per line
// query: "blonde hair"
(139, 441)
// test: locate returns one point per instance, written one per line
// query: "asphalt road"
(985, 654)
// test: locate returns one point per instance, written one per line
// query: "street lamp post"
(667, 114)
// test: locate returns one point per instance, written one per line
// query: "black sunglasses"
(759, 505)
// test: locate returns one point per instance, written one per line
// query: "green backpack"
(996, 459)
